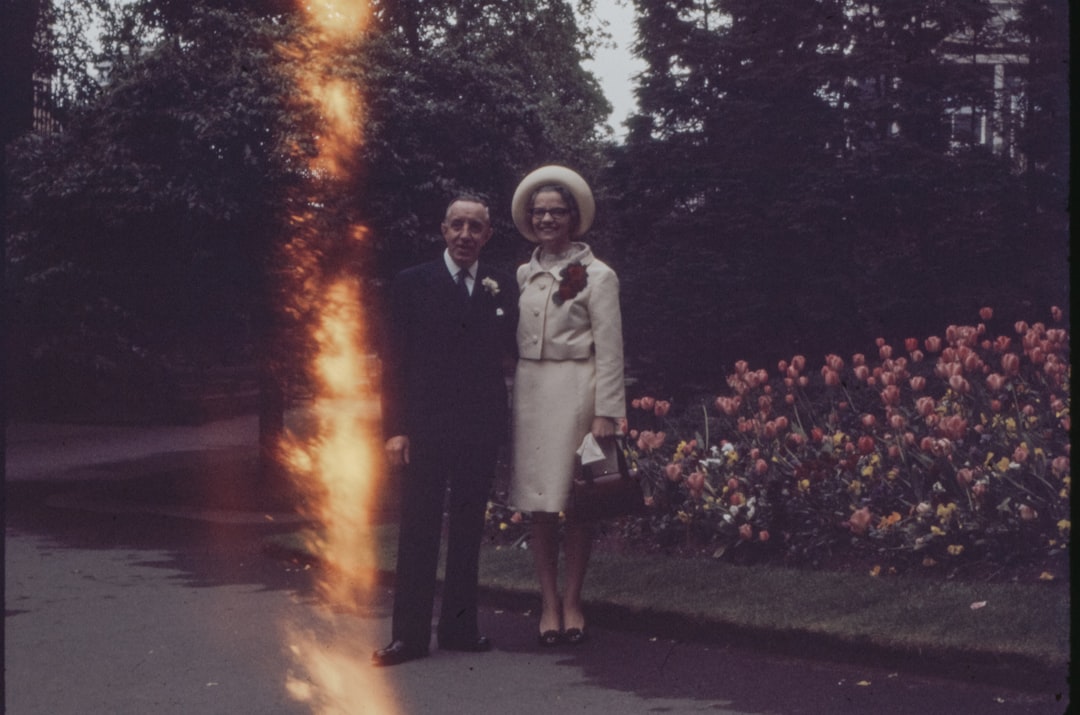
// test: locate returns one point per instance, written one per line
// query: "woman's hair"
(567, 197)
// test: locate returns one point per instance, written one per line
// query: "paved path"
(129, 593)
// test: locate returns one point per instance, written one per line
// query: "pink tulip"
(647, 403)
(696, 480)
(1010, 363)
(816, 435)
(1060, 466)
(911, 344)
(917, 356)
(1056, 314)
(798, 362)
(746, 532)
(1027, 513)
(832, 378)
(860, 519)
(635, 403)
(959, 384)
(858, 359)
(885, 352)
(879, 341)
(789, 399)
(673, 472)
(866, 444)
(862, 373)
(925, 406)
(763, 535)
(897, 422)
(741, 366)
(834, 362)
(662, 408)
(932, 344)
(918, 383)
(867, 420)
(986, 313)
(995, 381)
(891, 395)
(736, 499)
(1021, 327)
(782, 423)
(953, 426)
(760, 467)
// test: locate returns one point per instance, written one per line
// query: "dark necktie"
(463, 287)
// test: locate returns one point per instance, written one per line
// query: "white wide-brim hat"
(545, 176)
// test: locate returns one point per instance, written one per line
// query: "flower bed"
(950, 452)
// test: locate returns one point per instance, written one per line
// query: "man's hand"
(397, 450)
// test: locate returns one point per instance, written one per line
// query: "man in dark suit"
(451, 339)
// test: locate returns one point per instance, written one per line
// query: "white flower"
(491, 285)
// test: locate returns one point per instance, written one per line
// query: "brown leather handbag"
(607, 489)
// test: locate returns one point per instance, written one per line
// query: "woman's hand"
(603, 428)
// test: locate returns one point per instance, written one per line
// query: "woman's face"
(552, 221)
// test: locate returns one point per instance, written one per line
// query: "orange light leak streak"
(336, 466)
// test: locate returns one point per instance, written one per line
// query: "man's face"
(466, 228)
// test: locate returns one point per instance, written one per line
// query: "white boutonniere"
(490, 285)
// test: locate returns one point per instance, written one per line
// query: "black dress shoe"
(550, 639)
(476, 644)
(576, 636)
(397, 652)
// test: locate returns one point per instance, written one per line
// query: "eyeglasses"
(557, 213)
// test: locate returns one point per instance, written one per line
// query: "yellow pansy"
(955, 549)
(937, 531)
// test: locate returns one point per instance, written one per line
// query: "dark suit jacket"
(443, 368)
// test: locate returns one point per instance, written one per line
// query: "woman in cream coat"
(568, 383)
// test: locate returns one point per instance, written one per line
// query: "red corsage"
(574, 279)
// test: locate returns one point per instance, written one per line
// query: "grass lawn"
(1009, 625)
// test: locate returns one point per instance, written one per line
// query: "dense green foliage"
(793, 181)
(143, 236)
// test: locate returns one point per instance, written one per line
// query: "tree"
(145, 233)
(793, 173)
(469, 96)
(140, 233)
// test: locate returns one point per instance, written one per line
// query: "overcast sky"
(615, 67)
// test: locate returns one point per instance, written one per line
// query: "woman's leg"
(545, 548)
(578, 547)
